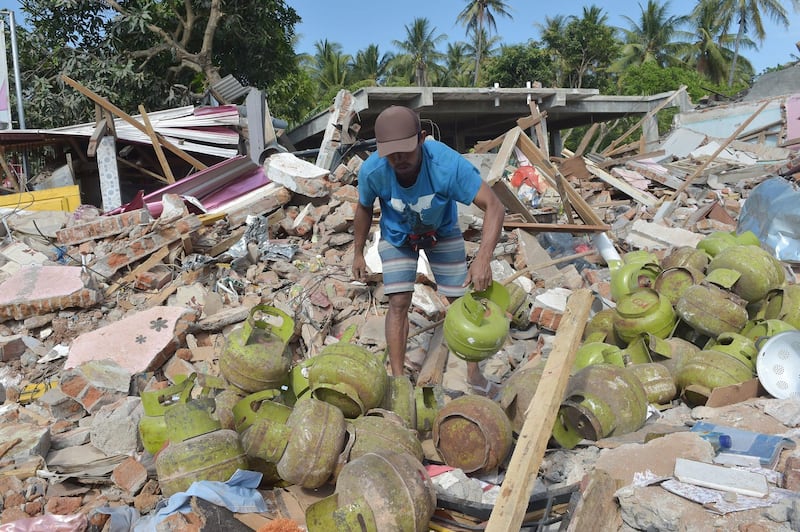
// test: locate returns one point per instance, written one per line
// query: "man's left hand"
(479, 275)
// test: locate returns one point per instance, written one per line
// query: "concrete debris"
(113, 322)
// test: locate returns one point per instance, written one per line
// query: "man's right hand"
(359, 268)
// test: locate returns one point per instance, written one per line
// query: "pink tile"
(139, 342)
(40, 282)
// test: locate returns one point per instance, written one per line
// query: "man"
(418, 183)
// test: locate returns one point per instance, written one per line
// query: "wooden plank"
(540, 129)
(99, 132)
(162, 160)
(7, 170)
(688, 181)
(641, 196)
(499, 163)
(511, 201)
(636, 126)
(556, 228)
(523, 468)
(534, 253)
(597, 509)
(105, 104)
(484, 146)
(587, 137)
(151, 261)
(622, 160)
(432, 369)
(533, 153)
(531, 121)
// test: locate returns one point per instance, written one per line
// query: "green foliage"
(149, 52)
(517, 64)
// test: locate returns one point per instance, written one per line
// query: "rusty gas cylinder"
(472, 433)
(707, 370)
(305, 448)
(255, 356)
(379, 491)
(518, 391)
(383, 430)
(198, 448)
(347, 376)
(643, 311)
(759, 272)
(600, 401)
(710, 308)
(657, 381)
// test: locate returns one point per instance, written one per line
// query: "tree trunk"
(739, 36)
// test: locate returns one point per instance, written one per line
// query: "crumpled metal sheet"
(772, 213)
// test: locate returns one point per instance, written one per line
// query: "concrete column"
(556, 144)
(109, 173)
(650, 132)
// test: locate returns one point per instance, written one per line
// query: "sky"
(357, 24)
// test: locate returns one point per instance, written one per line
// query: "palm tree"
(328, 66)
(457, 68)
(369, 64)
(477, 16)
(747, 14)
(710, 51)
(420, 50)
(651, 38)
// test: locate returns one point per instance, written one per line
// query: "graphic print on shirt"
(414, 213)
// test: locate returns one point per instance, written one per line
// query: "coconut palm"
(457, 67)
(747, 15)
(328, 66)
(710, 51)
(477, 16)
(651, 38)
(370, 65)
(420, 55)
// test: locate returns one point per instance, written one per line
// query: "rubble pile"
(207, 368)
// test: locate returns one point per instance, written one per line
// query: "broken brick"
(130, 475)
(63, 505)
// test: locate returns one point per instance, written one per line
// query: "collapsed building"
(178, 316)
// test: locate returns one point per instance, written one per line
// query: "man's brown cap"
(396, 130)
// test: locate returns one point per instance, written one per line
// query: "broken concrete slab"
(96, 383)
(139, 342)
(37, 290)
(298, 175)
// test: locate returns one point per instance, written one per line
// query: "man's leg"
(397, 330)
(399, 274)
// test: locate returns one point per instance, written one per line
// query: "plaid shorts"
(448, 260)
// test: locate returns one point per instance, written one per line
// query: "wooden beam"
(557, 228)
(523, 468)
(577, 202)
(539, 128)
(587, 137)
(152, 260)
(156, 145)
(7, 170)
(652, 112)
(622, 160)
(105, 104)
(98, 133)
(499, 163)
(141, 169)
(432, 370)
(688, 181)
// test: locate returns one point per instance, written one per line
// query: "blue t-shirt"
(445, 177)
